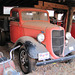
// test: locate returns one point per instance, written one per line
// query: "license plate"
(43, 56)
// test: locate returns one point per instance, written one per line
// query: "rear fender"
(33, 46)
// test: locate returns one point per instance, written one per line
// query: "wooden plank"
(37, 6)
(42, 7)
(49, 8)
(66, 20)
(40, 3)
(51, 5)
(72, 11)
(54, 5)
(73, 8)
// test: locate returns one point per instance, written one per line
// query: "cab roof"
(27, 9)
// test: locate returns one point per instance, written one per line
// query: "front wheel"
(68, 61)
(27, 64)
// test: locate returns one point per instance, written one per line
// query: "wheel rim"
(24, 61)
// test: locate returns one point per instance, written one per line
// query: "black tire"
(68, 61)
(2, 38)
(27, 64)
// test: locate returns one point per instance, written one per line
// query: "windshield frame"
(44, 11)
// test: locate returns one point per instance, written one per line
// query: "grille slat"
(58, 37)
(58, 41)
(58, 46)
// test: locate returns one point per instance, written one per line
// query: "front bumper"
(55, 60)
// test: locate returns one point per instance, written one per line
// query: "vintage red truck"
(41, 42)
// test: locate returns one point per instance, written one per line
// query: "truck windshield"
(34, 15)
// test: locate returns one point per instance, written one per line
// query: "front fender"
(33, 46)
(70, 47)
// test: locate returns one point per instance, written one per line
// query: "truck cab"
(26, 21)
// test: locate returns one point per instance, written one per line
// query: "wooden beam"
(47, 5)
(37, 6)
(70, 24)
(54, 5)
(73, 8)
(40, 3)
(66, 21)
(43, 7)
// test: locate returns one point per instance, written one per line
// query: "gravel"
(51, 69)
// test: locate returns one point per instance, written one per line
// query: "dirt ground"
(51, 69)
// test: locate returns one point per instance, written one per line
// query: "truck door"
(14, 26)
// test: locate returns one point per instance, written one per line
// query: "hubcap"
(23, 58)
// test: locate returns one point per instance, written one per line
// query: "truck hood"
(39, 25)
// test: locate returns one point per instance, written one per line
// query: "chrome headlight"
(68, 35)
(40, 37)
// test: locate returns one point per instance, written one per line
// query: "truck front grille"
(58, 41)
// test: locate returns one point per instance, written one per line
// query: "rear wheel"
(27, 64)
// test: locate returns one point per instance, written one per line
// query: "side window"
(15, 15)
